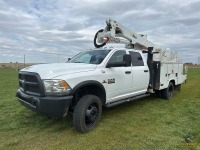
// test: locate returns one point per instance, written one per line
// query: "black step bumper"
(51, 106)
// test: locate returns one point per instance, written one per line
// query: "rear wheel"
(168, 92)
(157, 93)
(87, 113)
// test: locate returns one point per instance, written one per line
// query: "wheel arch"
(173, 81)
(93, 87)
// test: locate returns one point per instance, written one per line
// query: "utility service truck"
(102, 77)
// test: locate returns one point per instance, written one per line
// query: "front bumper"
(51, 106)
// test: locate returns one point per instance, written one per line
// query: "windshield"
(90, 57)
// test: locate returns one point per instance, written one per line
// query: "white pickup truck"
(96, 78)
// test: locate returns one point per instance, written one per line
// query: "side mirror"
(127, 60)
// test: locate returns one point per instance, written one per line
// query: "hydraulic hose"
(95, 40)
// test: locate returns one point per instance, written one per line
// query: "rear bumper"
(51, 106)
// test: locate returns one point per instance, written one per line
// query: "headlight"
(56, 87)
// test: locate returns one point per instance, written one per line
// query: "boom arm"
(115, 32)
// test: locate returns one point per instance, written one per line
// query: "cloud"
(41, 29)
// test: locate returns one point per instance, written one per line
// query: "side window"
(136, 59)
(117, 56)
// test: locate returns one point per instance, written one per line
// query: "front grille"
(30, 83)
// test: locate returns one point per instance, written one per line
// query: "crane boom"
(115, 32)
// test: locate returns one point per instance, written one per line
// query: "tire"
(168, 92)
(157, 93)
(95, 40)
(87, 113)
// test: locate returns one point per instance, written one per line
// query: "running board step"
(126, 100)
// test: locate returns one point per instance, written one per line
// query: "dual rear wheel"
(166, 93)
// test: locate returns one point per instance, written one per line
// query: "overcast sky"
(53, 30)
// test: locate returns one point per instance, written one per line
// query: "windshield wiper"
(78, 62)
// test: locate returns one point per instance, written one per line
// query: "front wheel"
(87, 113)
(168, 92)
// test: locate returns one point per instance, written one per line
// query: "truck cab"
(119, 81)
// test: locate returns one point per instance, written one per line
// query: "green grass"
(145, 124)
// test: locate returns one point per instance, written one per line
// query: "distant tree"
(189, 63)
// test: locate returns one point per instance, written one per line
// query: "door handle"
(146, 71)
(127, 72)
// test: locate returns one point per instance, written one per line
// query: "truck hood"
(49, 71)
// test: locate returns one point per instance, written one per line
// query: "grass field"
(146, 124)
